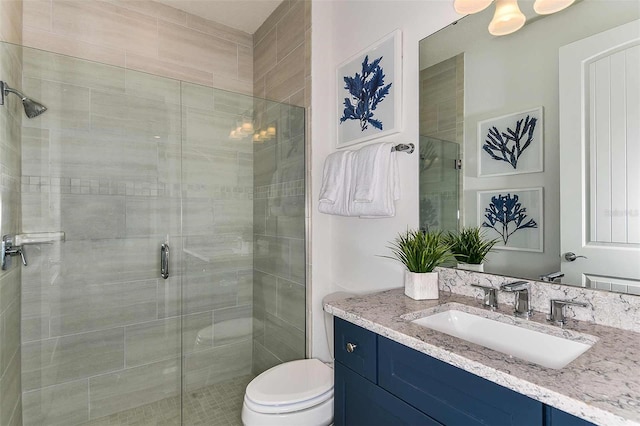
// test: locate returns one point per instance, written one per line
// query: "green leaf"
(421, 251)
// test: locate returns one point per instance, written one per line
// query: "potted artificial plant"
(470, 247)
(421, 252)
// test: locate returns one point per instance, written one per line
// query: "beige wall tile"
(263, 359)
(202, 51)
(111, 393)
(154, 9)
(69, 45)
(10, 326)
(245, 63)
(219, 30)
(153, 341)
(291, 30)
(106, 24)
(11, 21)
(62, 359)
(169, 68)
(287, 76)
(233, 84)
(38, 13)
(265, 54)
(10, 397)
(145, 36)
(217, 365)
(271, 21)
(59, 405)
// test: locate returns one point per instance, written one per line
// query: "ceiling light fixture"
(547, 7)
(508, 18)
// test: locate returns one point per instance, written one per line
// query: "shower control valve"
(9, 250)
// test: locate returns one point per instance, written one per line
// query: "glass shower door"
(101, 330)
(439, 184)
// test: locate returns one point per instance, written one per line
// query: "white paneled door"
(600, 159)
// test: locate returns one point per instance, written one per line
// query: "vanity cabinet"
(381, 382)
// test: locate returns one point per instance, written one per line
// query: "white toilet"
(296, 393)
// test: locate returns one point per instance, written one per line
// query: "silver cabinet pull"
(164, 261)
(351, 347)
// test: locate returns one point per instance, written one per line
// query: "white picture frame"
(503, 150)
(513, 236)
(353, 128)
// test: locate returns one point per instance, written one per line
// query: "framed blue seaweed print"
(369, 92)
(511, 144)
(514, 217)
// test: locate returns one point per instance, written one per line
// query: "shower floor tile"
(216, 405)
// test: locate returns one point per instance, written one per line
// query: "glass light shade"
(271, 131)
(247, 126)
(507, 19)
(466, 7)
(547, 7)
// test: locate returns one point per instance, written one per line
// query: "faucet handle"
(556, 310)
(490, 299)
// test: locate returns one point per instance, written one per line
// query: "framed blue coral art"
(514, 217)
(511, 144)
(369, 90)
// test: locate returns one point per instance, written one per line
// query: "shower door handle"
(164, 261)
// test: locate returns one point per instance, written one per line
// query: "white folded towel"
(383, 182)
(366, 163)
(336, 184)
(333, 176)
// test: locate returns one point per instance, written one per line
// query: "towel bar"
(401, 147)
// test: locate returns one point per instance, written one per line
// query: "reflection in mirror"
(547, 123)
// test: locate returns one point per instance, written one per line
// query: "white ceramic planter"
(477, 267)
(421, 286)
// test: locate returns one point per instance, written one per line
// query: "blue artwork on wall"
(511, 144)
(508, 145)
(506, 216)
(366, 90)
(515, 216)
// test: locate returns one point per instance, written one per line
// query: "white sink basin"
(534, 346)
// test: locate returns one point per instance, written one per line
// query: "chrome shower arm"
(5, 89)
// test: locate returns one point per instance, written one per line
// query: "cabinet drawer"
(363, 357)
(358, 402)
(448, 394)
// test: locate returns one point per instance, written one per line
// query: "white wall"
(344, 251)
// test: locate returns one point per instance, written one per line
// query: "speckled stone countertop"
(602, 385)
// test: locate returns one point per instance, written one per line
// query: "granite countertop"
(602, 385)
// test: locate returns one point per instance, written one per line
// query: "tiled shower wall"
(10, 120)
(145, 36)
(109, 164)
(442, 117)
(282, 52)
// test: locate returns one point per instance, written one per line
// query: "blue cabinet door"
(358, 402)
(448, 394)
(555, 417)
(361, 355)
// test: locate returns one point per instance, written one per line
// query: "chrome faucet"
(521, 289)
(552, 277)
(490, 298)
(556, 312)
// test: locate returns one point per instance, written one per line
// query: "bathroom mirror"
(570, 185)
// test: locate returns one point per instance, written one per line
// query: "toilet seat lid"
(291, 383)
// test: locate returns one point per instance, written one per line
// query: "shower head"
(31, 108)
